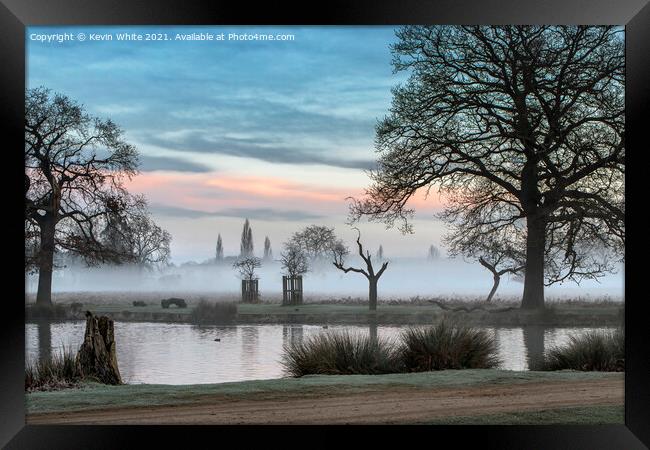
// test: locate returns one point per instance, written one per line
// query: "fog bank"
(404, 278)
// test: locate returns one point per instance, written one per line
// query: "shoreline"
(557, 314)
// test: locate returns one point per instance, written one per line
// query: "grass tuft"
(447, 345)
(341, 353)
(443, 346)
(56, 373)
(593, 351)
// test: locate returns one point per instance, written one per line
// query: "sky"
(280, 132)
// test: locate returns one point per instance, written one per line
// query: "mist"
(404, 278)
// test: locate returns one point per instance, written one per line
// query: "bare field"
(330, 309)
(127, 297)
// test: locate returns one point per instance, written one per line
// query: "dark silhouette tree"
(114, 235)
(147, 242)
(516, 126)
(75, 165)
(501, 252)
(32, 246)
(268, 253)
(317, 242)
(340, 252)
(492, 266)
(380, 253)
(294, 260)
(246, 246)
(246, 267)
(219, 251)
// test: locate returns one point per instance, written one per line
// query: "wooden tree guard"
(292, 290)
(249, 291)
(97, 357)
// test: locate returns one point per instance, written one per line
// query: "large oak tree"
(519, 127)
(75, 165)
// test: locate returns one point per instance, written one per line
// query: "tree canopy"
(147, 242)
(75, 166)
(521, 129)
(294, 259)
(246, 267)
(317, 241)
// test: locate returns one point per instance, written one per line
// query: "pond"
(171, 353)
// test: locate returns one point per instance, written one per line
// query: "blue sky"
(280, 132)
(311, 100)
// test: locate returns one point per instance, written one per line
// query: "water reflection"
(249, 345)
(372, 329)
(186, 354)
(44, 340)
(510, 347)
(534, 343)
(292, 334)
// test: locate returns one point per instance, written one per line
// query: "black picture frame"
(16, 14)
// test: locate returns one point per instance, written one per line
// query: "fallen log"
(468, 310)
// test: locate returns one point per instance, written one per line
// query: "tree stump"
(97, 357)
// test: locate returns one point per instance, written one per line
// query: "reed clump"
(58, 372)
(340, 353)
(446, 345)
(592, 351)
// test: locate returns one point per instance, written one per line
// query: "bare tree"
(115, 234)
(501, 252)
(219, 250)
(294, 260)
(148, 242)
(492, 266)
(75, 165)
(340, 252)
(246, 267)
(268, 253)
(317, 241)
(517, 126)
(246, 246)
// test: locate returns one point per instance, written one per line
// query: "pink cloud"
(270, 187)
(212, 192)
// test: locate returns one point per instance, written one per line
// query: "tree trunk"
(45, 264)
(372, 294)
(97, 356)
(495, 286)
(533, 297)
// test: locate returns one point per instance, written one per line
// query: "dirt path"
(388, 405)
